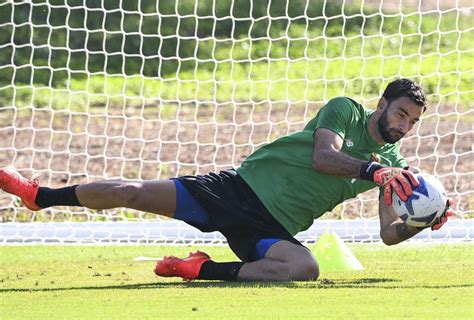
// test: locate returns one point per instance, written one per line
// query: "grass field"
(433, 281)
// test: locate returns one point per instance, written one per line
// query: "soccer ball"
(426, 205)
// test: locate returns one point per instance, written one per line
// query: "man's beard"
(389, 135)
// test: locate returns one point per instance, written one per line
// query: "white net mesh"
(156, 89)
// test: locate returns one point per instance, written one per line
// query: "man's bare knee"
(305, 269)
(131, 193)
(297, 261)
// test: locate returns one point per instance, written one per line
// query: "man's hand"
(444, 217)
(392, 179)
(395, 179)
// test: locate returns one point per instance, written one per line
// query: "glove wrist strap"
(368, 169)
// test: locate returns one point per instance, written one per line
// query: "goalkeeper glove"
(391, 179)
(444, 217)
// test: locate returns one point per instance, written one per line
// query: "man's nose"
(404, 126)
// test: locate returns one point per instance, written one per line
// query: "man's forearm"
(336, 163)
(397, 232)
(392, 229)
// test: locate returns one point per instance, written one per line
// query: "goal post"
(150, 89)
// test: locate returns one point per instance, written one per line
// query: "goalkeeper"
(277, 191)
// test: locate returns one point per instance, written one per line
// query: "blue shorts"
(249, 228)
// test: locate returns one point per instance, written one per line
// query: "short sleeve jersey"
(282, 176)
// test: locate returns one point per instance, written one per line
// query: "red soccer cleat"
(11, 181)
(186, 268)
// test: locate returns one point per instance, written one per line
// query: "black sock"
(47, 197)
(227, 271)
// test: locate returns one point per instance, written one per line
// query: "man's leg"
(284, 261)
(154, 196)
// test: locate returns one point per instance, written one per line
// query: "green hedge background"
(228, 50)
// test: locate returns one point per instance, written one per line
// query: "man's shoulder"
(344, 101)
(348, 104)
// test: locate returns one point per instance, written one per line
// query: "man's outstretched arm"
(328, 159)
(393, 230)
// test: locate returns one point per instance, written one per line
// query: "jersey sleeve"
(336, 116)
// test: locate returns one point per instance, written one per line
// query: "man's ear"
(382, 104)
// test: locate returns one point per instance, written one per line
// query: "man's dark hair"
(405, 88)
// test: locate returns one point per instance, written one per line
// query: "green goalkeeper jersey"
(282, 176)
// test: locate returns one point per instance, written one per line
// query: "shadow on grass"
(364, 283)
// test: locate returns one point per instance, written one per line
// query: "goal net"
(150, 89)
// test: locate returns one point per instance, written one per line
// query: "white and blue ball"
(425, 205)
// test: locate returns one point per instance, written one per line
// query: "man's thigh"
(156, 196)
(251, 245)
(284, 261)
(287, 251)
